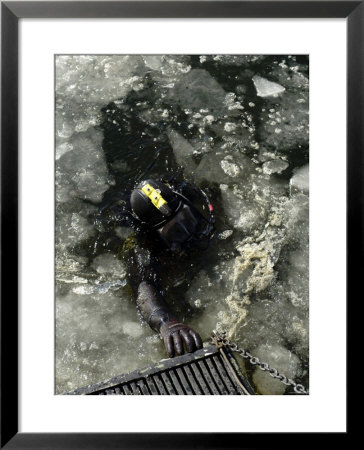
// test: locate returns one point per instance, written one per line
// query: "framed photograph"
(203, 153)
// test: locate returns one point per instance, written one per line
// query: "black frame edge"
(355, 165)
(182, 9)
(355, 142)
(163, 441)
(11, 12)
(9, 223)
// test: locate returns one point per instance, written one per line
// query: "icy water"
(235, 125)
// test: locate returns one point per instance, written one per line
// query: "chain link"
(220, 340)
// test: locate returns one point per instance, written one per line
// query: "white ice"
(183, 151)
(279, 358)
(258, 289)
(300, 180)
(276, 166)
(266, 88)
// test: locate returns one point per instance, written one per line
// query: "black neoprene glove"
(177, 335)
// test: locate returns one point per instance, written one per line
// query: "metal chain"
(219, 339)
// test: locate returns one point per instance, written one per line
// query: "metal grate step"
(208, 371)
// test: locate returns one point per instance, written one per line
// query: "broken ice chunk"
(229, 126)
(223, 168)
(230, 169)
(300, 181)
(63, 148)
(283, 360)
(101, 288)
(153, 62)
(183, 151)
(81, 172)
(133, 329)
(266, 88)
(199, 90)
(91, 82)
(276, 166)
(107, 263)
(241, 213)
(73, 228)
(225, 234)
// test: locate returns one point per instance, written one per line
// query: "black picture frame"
(11, 12)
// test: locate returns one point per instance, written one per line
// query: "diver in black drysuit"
(172, 221)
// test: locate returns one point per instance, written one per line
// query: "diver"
(173, 222)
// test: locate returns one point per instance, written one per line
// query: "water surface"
(235, 125)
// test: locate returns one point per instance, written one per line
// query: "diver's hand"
(177, 335)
